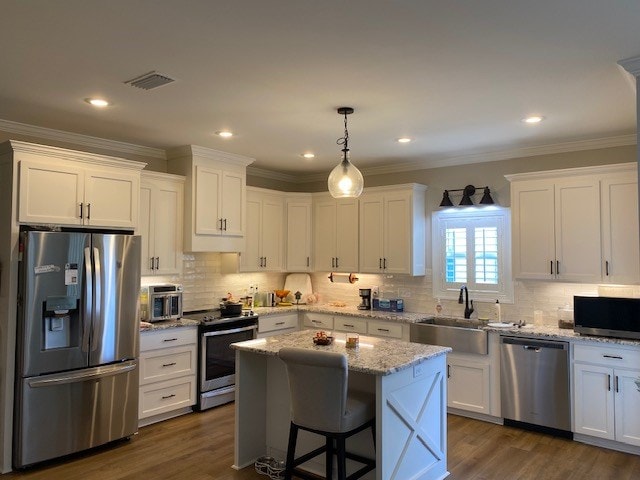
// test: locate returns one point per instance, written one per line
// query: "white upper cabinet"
(575, 224)
(620, 245)
(265, 231)
(392, 230)
(160, 226)
(70, 188)
(335, 234)
(298, 231)
(215, 198)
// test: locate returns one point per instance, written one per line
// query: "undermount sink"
(461, 334)
(453, 322)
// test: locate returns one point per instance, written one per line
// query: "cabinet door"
(298, 236)
(468, 385)
(593, 401)
(112, 199)
(272, 225)
(620, 229)
(577, 229)
(626, 406)
(145, 228)
(325, 236)
(372, 233)
(397, 233)
(232, 203)
(50, 194)
(346, 235)
(250, 257)
(532, 205)
(167, 228)
(207, 200)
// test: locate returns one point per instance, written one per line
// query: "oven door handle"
(227, 332)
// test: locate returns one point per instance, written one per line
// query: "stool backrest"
(318, 386)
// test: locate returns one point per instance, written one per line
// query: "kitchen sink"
(461, 334)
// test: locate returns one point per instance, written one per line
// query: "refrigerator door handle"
(82, 376)
(88, 300)
(98, 303)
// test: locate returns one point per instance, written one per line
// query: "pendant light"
(345, 180)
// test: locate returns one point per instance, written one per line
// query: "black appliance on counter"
(607, 316)
(216, 359)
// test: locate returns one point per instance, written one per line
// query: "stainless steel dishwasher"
(534, 382)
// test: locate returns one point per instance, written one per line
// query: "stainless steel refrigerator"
(77, 343)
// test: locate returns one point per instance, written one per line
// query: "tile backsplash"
(205, 284)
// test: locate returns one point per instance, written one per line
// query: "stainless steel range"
(217, 361)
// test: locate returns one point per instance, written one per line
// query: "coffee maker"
(365, 297)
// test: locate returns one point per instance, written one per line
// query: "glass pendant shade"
(345, 180)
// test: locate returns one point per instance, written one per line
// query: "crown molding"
(631, 65)
(565, 147)
(270, 174)
(210, 153)
(79, 139)
(630, 167)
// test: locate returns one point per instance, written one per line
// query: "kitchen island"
(409, 381)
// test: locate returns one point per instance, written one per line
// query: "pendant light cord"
(344, 140)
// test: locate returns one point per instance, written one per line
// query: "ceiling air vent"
(150, 80)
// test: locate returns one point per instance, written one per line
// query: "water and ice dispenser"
(61, 323)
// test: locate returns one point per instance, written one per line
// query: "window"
(472, 247)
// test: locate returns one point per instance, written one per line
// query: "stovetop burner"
(214, 317)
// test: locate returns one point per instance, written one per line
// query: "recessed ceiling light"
(97, 102)
(533, 119)
(403, 140)
(308, 155)
(224, 134)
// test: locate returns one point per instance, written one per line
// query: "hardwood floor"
(200, 447)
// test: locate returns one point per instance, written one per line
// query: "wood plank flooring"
(200, 447)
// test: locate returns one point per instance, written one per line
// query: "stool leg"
(342, 458)
(329, 458)
(291, 450)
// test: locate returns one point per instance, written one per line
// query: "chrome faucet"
(467, 310)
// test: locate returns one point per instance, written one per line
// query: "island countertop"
(376, 356)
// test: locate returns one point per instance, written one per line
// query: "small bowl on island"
(321, 338)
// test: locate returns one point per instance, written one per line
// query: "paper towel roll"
(343, 277)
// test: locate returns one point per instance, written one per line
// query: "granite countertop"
(377, 356)
(165, 324)
(348, 311)
(554, 333)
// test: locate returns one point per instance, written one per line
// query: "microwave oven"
(607, 316)
(165, 302)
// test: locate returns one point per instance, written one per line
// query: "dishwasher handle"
(531, 344)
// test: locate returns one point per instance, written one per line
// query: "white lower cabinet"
(168, 365)
(277, 324)
(468, 383)
(606, 397)
(361, 325)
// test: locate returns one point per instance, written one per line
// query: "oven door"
(218, 360)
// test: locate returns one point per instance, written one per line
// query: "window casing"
(472, 247)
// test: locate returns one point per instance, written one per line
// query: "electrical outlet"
(375, 291)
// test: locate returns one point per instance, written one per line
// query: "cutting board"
(299, 282)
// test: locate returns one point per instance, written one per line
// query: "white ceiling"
(457, 77)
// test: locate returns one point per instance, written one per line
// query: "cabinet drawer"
(385, 329)
(166, 396)
(350, 324)
(169, 338)
(315, 320)
(611, 356)
(164, 364)
(277, 322)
